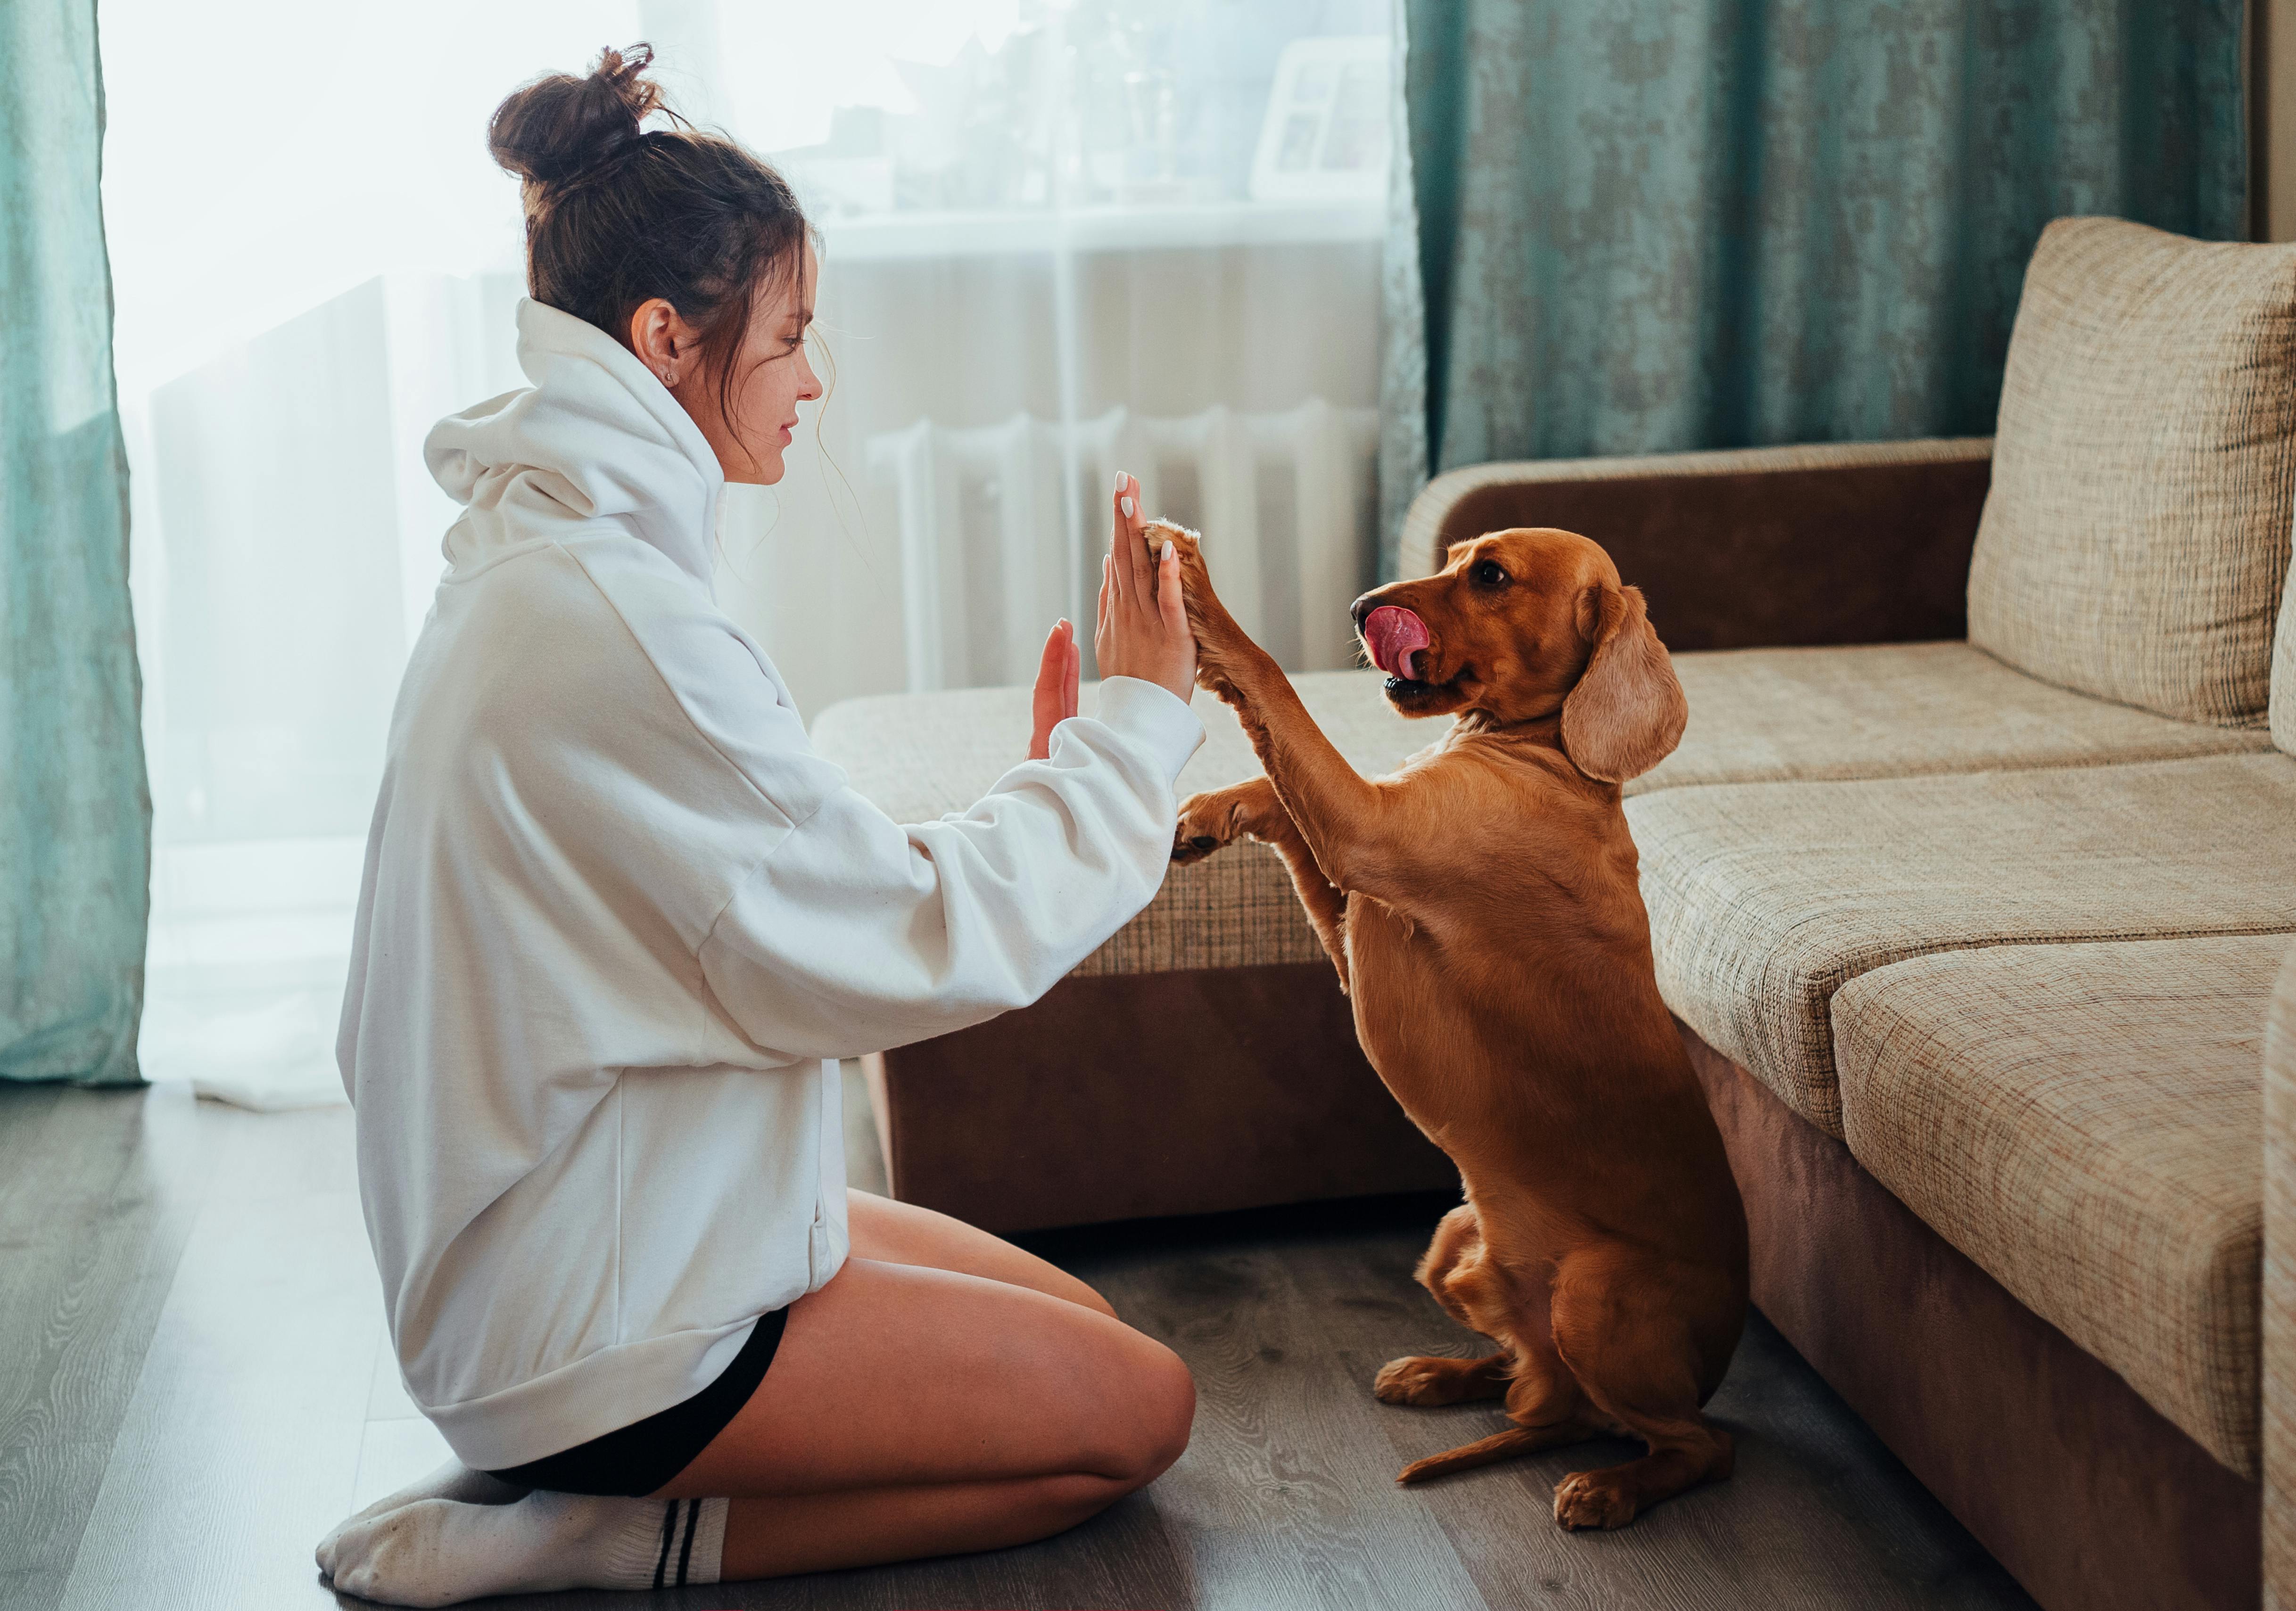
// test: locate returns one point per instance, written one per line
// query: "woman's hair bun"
(549, 131)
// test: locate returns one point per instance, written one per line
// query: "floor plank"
(241, 1445)
(97, 1191)
(195, 1386)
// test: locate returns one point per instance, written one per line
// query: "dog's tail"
(1514, 1442)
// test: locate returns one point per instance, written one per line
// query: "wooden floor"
(193, 1387)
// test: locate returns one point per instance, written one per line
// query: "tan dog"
(1482, 907)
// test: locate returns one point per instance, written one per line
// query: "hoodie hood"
(596, 437)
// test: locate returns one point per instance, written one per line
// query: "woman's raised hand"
(1056, 687)
(1144, 627)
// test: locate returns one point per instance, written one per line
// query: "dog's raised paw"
(1593, 1498)
(1206, 821)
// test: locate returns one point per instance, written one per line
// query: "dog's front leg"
(1336, 810)
(1252, 810)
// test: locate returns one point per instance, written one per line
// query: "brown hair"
(618, 215)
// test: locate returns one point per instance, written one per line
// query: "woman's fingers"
(1174, 610)
(1103, 645)
(1169, 603)
(1055, 694)
(1133, 547)
(1124, 507)
(1072, 675)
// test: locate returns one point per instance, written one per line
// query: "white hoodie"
(617, 918)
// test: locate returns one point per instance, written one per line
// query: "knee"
(1159, 1411)
(1168, 1415)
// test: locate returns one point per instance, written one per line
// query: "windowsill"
(882, 236)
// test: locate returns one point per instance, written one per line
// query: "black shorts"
(640, 1458)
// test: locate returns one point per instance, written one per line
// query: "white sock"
(454, 1480)
(439, 1551)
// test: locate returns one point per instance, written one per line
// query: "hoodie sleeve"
(856, 934)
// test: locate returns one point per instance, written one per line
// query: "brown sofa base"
(2082, 1489)
(1136, 1095)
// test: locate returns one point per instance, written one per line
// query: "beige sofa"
(1972, 940)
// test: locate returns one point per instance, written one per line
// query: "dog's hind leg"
(1544, 1402)
(1429, 1379)
(1454, 1272)
(1622, 1325)
(1252, 810)
(1542, 1399)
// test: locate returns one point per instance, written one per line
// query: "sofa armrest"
(1838, 542)
(2279, 1326)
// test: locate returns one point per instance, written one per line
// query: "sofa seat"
(1886, 710)
(2086, 1122)
(1766, 898)
(1902, 710)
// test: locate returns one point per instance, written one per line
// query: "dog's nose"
(1361, 608)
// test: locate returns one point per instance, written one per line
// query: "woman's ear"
(1627, 714)
(663, 341)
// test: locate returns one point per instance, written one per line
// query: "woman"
(616, 922)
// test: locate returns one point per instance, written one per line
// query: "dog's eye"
(1488, 573)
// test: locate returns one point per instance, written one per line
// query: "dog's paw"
(1219, 639)
(1206, 823)
(1186, 850)
(1422, 1380)
(1186, 546)
(1593, 1499)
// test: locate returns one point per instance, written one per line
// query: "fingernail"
(1119, 480)
(1168, 548)
(1126, 505)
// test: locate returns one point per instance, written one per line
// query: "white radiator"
(1002, 528)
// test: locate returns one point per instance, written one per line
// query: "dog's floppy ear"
(1628, 713)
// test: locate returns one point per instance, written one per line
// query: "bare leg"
(829, 1531)
(945, 1391)
(915, 1411)
(774, 1537)
(1252, 810)
(894, 1232)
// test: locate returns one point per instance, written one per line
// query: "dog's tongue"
(1395, 636)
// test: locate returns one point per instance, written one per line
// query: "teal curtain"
(75, 812)
(1629, 227)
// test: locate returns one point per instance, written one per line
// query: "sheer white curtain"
(1058, 238)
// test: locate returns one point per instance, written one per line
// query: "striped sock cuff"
(686, 1539)
(709, 1541)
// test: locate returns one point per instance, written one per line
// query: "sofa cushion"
(2136, 535)
(1766, 898)
(2086, 1123)
(1900, 710)
(920, 756)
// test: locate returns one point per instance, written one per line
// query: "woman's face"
(770, 378)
